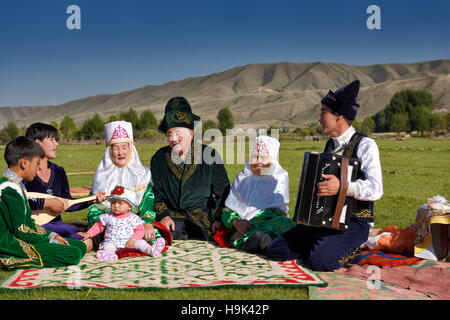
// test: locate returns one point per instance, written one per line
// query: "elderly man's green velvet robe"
(194, 189)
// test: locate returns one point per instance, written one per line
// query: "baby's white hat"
(123, 193)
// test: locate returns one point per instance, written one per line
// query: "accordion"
(333, 211)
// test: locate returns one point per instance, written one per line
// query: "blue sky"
(124, 45)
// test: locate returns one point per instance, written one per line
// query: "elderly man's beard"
(177, 148)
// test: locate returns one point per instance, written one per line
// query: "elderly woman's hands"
(101, 196)
(242, 226)
(149, 234)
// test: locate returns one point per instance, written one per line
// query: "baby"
(123, 229)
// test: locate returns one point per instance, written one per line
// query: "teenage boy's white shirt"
(371, 188)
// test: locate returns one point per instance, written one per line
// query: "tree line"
(408, 110)
(145, 126)
(411, 110)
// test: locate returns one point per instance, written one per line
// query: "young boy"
(123, 229)
(23, 244)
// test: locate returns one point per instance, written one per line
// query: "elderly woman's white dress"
(262, 200)
(133, 175)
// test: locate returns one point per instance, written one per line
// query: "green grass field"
(413, 170)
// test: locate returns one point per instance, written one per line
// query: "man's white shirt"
(371, 188)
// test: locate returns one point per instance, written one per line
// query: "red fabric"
(118, 191)
(166, 234)
(384, 259)
(125, 252)
(222, 236)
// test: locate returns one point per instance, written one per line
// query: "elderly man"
(190, 190)
(325, 249)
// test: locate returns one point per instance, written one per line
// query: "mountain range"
(284, 94)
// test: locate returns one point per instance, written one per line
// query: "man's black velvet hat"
(344, 100)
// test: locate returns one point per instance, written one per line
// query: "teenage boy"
(24, 244)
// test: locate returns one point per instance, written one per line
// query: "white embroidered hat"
(123, 193)
(251, 193)
(118, 131)
(267, 146)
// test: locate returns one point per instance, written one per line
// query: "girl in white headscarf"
(122, 166)
(257, 206)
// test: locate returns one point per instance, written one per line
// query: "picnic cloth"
(344, 287)
(428, 277)
(424, 280)
(187, 264)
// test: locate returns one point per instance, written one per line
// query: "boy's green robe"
(194, 190)
(24, 244)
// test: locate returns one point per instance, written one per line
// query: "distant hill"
(283, 94)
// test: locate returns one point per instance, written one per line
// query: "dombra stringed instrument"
(44, 216)
(326, 211)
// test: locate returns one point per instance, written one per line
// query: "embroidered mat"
(187, 263)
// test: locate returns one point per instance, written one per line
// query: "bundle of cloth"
(392, 239)
(427, 238)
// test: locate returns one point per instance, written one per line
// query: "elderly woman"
(121, 165)
(257, 207)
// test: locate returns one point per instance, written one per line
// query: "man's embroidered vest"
(361, 210)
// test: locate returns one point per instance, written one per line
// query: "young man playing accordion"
(325, 249)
